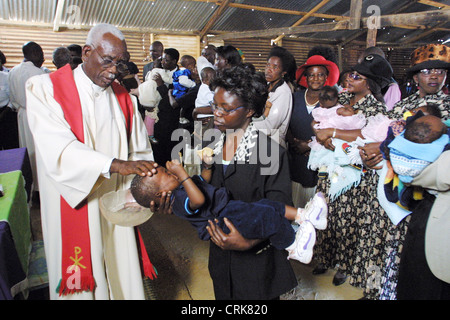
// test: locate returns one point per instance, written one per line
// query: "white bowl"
(119, 207)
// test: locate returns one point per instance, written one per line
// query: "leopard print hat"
(430, 56)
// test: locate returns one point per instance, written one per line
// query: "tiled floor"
(181, 260)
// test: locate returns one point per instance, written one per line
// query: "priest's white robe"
(77, 171)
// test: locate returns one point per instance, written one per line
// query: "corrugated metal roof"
(191, 16)
(27, 10)
(173, 15)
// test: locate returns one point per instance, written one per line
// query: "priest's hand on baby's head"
(140, 167)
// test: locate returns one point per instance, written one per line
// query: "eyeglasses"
(356, 76)
(221, 111)
(427, 72)
(108, 63)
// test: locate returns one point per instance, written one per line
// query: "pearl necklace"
(306, 101)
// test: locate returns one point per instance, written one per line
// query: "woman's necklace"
(310, 104)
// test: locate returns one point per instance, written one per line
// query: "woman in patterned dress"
(358, 230)
(430, 65)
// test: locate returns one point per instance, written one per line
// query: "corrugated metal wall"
(184, 44)
(399, 58)
(300, 49)
(13, 38)
(255, 50)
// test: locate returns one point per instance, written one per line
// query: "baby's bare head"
(144, 190)
(425, 129)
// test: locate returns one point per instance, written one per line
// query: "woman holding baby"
(251, 166)
(359, 234)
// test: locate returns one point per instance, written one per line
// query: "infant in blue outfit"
(200, 203)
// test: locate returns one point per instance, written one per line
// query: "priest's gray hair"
(96, 33)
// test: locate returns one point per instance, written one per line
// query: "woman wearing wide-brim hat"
(312, 76)
(317, 60)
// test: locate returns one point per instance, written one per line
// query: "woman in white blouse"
(280, 74)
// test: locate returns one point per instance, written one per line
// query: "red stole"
(76, 272)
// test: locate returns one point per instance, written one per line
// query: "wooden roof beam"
(360, 32)
(425, 18)
(309, 28)
(58, 15)
(306, 16)
(423, 34)
(291, 12)
(216, 15)
(355, 14)
(417, 18)
(275, 10)
(434, 4)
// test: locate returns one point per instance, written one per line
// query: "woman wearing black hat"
(356, 233)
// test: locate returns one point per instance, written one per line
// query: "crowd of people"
(284, 135)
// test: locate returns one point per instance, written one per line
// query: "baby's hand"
(175, 167)
(346, 111)
(267, 109)
(206, 155)
(158, 79)
(135, 91)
